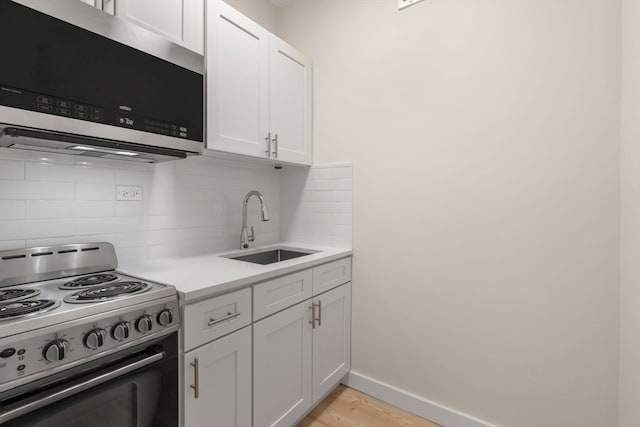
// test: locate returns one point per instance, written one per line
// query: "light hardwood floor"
(346, 407)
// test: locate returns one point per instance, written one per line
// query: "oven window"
(111, 407)
(142, 399)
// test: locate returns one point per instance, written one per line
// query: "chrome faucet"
(245, 237)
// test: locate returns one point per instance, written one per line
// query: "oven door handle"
(78, 388)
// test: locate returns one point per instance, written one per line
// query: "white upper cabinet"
(181, 21)
(258, 90)
(289, 102)
(237, 61)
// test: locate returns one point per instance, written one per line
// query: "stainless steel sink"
(269, 256)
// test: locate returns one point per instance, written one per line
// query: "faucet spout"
(245, 237)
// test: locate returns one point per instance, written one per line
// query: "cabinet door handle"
(312, 307)
(196, 378)
(229, 316)
(313, 313)
(268, 141)
(275, 147)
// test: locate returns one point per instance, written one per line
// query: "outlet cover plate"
(406, 3)
(128, 193)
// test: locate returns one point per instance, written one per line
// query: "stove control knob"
(144, 323)
(95, 339)
(120, 331)
(56, 350)
(165, 317)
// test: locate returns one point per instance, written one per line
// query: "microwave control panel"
(122, 116)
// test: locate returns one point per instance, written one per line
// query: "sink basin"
(269, 256)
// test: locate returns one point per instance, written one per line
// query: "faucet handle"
(252, 236)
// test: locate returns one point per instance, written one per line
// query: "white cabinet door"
(181, 21)
(282, 367)
(237, 59)
(331, 339)
(290, 102)
(223, 382)
(108, 6)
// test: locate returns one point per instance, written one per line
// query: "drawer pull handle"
(229, 316)
(196, 378)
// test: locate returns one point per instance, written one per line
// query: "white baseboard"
(442, 415)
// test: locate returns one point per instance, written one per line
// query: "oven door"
(138, 390)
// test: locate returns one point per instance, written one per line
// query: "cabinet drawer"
(330, 275)
(215, 317)
(275, 295)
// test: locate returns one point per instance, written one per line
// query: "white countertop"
(203, 276)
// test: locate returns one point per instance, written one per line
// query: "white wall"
(484, 137)
(630, 228)
(190, 206)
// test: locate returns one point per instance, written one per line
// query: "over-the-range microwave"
(76, 80)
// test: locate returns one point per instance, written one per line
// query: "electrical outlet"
(406, 3)
(128, 193)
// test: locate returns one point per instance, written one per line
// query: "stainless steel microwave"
(76, 80)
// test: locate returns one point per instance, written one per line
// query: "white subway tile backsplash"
(317, 205)
(93, 209)
(35, 156)
(55, 172)
(43, 209)
(133, 177)
(94, 175)
(12, 209)
(33, 229)
(11, 169)
(190, 206)
(184, 248)
(34, 190)
(320, 173)
(145, 238)
(164, 179)
(132, 253)
(342, 219)
(326, 196)
(107, 225)
(48, 172)
(12, 244)
(334, 184)
(87, 191)
(132, 208)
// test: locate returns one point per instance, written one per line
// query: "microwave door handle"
(78, 388)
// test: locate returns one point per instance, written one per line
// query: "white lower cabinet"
(217, 386)
(217, 361)
(299, 355)
(331, 340)
(273, 371)
(282, 367)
